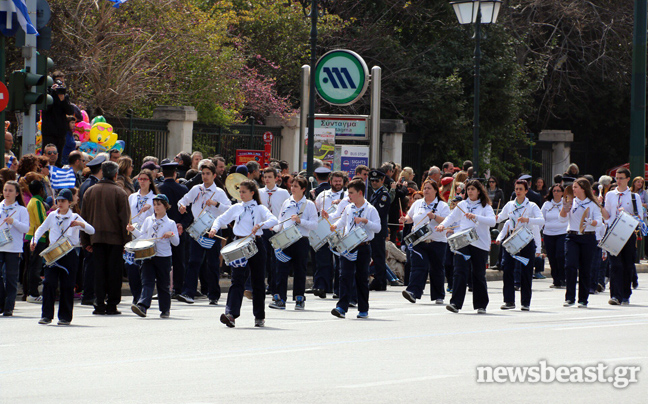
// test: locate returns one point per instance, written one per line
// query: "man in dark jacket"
(55, 124)
(106, 208)
(174, 192)
(381, 201)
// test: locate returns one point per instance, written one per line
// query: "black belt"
(575, 233)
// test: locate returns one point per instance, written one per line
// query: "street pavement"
(404, 353)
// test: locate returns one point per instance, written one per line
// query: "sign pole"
(374, 144)
(29, 53)
(311, 93)
(303, 113)
(2, 79)
(638, 97)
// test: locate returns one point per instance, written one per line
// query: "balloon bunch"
(97, 136)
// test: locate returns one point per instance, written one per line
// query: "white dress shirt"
(137, 203)
(339, 209)
(484, 218)
(154, 228)
(514, 211)
(247, 215)
(57, 223)
(366, 211)
(575, 214)
(308, 219)
(615, 200)
(419, 210)
(198, 196)
(19, 227)
(325, 199)
(555, 224)
(273, 198)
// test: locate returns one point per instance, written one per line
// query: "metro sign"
(341, 77)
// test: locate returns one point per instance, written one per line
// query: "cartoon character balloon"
(82, 130)
(102, 134)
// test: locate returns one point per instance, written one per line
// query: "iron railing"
(143, 137)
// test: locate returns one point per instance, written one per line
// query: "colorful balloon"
(98, 118)
(102, 134)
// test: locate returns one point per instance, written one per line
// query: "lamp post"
(312, 9)
(477, 12)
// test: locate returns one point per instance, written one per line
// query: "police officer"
(174, 192)
(322, 176)
(88, 270)
(381, 201)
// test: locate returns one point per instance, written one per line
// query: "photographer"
(55, 123)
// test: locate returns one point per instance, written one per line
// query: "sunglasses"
(374, 180)
(51, 153)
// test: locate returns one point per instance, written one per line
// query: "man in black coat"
(381, 201)
(55, 124)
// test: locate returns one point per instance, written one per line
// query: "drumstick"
(5, 219)
(521, 216)
(401, 205)
(464, 212)
(217, 236)
(498, 204)
(205, 207)
(284, 221)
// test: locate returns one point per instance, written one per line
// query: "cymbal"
(582, 222)
(232, 183)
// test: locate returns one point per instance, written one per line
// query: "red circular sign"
(4, 96)
(267, 137)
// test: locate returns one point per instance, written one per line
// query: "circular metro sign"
(341, 77)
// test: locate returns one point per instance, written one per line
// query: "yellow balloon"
(102, 134)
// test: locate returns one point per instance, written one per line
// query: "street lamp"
(477, 12)
(312, 9)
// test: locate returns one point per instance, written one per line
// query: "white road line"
(399, 381)
(597, 326)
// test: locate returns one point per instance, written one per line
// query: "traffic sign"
(267, 137)
(4, 96)
(341, 77)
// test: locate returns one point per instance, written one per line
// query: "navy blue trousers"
(299, 257)
(359, 271)
(622, 271)
(196, 255)
(134, 279)
(579, 252)
(462, 269)
(555, 246)
(156, 271)
(428, 258)
(54, 275)
(380, 266)
(9, 273)
(255, 269)
(178, 262)
(526, 271)
(324, 263)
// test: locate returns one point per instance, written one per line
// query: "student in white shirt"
(157, 270)
(272, 197)
(555, 231)
(300, 212)
(213, 200)
(520, 212)
(622, 267)
(355, 265)
(250, 218)
(580, 246)
(427, 256)
(141, 207)
(13, 216)
(61, 223)
(474, 212)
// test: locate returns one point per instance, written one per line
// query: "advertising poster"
(352, 157)
(324, 147)
(243, 156)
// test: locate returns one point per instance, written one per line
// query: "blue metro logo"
(342, 75)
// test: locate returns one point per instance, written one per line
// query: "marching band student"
(141, 203)
(210, 198)
(324, 258)
(272, 197)
(580, 246)
(622, 266)
(61, 223)
(555, 230)
(157, 270)
(474, 212)
(300, 212)
(428, 255)
(520, 212)
(14, 216)
(250, 218)
(355, 264)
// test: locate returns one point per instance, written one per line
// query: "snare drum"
(518, 240)
(237, 249)
(141, 249)
(347, 243)
(618, 233)
(285, 238)
(462, 239)
(201, 225)
(5, 237)
(418, 235)
(320, 236)
(57, 250)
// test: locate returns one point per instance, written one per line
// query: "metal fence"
(143, 137)
(211, 140)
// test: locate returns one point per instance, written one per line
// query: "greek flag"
(129, 257)
(239, 263)
(350, 256)
(281, 256)
(62, 178)
(524, 261)
(410, 247)
(206, 242)
(20, 8)
(466, 256)
(117, 2)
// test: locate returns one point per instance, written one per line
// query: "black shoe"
(164, 314)
(635, 285)
(64, 322)
(396, 283)
(409, 296)
(228, 320)
(451, 307)
(139, 310)
(99, 311)
(600, 288)
(112, 312)
(336, 296)
(213, 302)
(89, 302)
(44, 320)
(508, 306)
(517, 288)
(471, 289)
(311, 290)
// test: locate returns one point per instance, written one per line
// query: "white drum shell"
(237, 249)
(5, 237)
(351, 240)
(518, 240)
(201, 225)
(618, 233)
(285, 238)
(419, 235)
(462, 239)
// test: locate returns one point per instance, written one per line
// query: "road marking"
(597, 326)
(399, 381)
